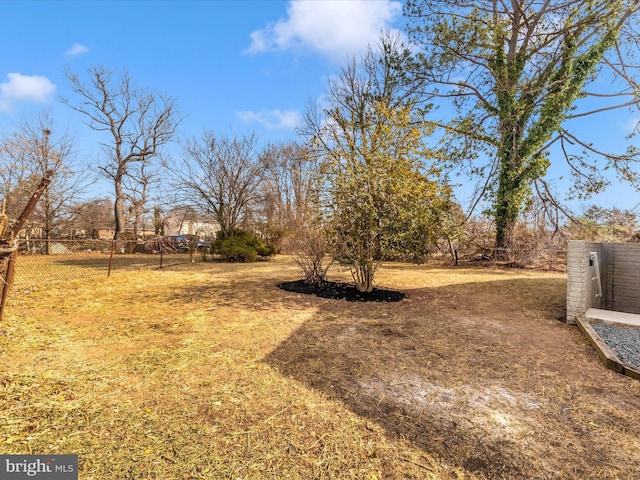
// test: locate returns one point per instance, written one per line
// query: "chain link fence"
(42, 262)
(544, 259)
(538, 258)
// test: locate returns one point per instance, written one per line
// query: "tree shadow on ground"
(119, 261)
(484, 375)
(251, 295)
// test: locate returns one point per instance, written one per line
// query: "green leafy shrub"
(243, 247)
(233, 251)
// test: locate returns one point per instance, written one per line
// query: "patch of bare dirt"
(483, 374)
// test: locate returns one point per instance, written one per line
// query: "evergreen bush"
(243, 247)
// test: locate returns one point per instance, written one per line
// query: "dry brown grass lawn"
(209, 371)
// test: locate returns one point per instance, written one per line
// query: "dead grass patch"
(210, 371)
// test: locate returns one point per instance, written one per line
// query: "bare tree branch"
(139, 123)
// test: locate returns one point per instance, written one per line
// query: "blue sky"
(229, 64)
(233, 66)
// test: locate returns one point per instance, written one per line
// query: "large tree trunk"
(507, 208)
(48, 221)
(47, 240)
(505, 241)
(118, 209)
(511, 180)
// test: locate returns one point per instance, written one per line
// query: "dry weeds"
(209, 371)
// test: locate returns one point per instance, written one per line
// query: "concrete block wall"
(619, 275)
(581, 288)
(623, 292)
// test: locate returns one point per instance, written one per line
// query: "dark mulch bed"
(342, 291)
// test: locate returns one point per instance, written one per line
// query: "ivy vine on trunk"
(516, 73)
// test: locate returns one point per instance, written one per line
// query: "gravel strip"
(623, 341)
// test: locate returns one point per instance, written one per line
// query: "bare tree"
(91, 216)
(290, 187)
(16, 172)
(138, 123)
(137, 188)
(220, 175)
(35, 151)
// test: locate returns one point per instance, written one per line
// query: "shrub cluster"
(242, 247)
(309, 249)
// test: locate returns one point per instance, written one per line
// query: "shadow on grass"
(255, 295)
(474, 373)
(33, 271)
(121, 261)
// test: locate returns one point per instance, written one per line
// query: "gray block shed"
(602, 275)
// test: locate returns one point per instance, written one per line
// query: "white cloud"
(333, 28)
(25, 88)
(273, 119)
(77, 49)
